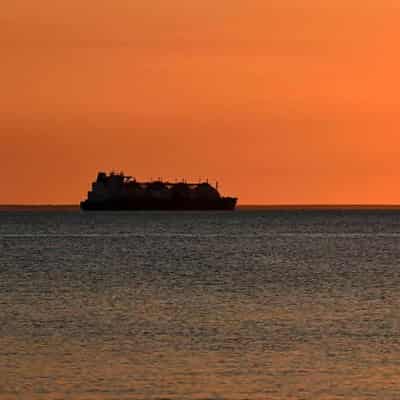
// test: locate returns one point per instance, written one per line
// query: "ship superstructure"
(115, 191)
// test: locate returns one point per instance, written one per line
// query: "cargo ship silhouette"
(116, 191)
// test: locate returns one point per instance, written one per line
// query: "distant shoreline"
(243, 207)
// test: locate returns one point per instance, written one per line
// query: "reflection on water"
(244, 305)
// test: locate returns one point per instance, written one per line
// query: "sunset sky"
(281, 101)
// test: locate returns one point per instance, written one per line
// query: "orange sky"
(282, 101)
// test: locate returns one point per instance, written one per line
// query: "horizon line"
(282, 206)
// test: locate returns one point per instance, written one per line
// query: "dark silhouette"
(120, 192)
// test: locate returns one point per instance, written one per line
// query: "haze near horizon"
(282, 102)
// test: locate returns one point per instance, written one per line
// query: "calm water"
(244, 305)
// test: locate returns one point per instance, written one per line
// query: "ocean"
(253, 304)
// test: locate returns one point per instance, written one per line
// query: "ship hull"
(223, 203)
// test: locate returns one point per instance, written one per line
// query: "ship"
(115, 191)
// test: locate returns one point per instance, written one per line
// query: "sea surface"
(252, 304)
